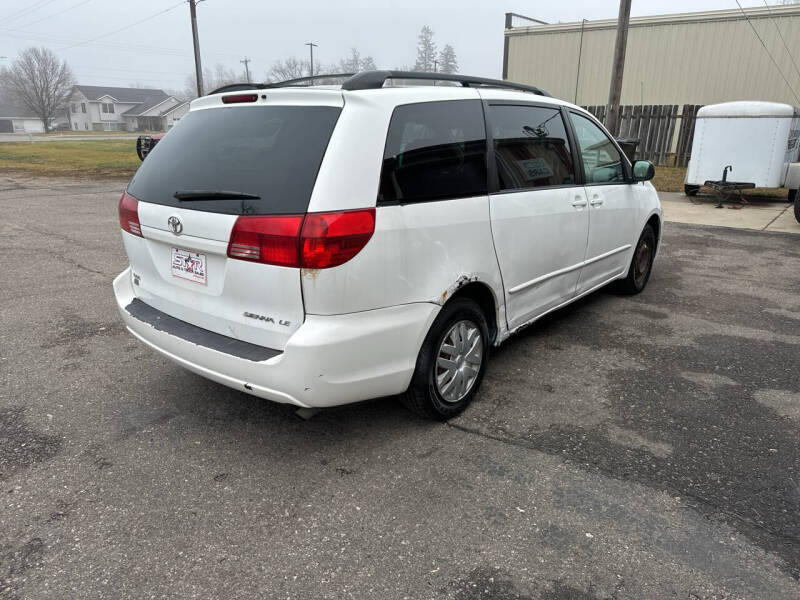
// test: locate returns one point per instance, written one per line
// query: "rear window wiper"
(213, 195)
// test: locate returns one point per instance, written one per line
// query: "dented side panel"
(420, 252)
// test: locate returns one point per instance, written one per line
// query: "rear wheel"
(451, 362)
(641, 263)
(797, 210)
(691, 190)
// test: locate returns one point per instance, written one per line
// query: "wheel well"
(483, 296)
(656, 225)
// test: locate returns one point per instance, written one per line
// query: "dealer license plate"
(189, 265)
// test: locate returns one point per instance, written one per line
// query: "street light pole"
(311, 46)
(198, 68)
(618, 66)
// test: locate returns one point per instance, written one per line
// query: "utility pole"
(580, 55)
(618, 66)
(198, 68)
(311, 46)
(245, 62)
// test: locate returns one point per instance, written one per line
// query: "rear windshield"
(273, 152)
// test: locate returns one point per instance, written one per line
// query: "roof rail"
(310, 80)
(370, 80)
(236, 87)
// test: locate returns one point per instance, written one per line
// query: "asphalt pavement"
(625, 447)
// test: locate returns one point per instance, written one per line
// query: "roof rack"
(370, 80)
(236, 87)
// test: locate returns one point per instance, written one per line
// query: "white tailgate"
(233, 288)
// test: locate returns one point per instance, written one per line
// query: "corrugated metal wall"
(696, 58)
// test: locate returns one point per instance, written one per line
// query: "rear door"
(613, 212)
(264, 156)
(540, 220)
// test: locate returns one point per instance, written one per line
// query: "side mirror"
(643, 170)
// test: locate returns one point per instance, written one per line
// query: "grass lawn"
(95, 158)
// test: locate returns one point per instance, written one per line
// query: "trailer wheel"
(691, 190)
(792, 198)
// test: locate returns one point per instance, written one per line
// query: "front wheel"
(451, 362)
(797, 210)
(641, 263)
(792, 197)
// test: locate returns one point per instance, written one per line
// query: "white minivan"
(322, 245)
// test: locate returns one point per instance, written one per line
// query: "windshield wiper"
(213, 195)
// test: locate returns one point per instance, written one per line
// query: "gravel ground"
(625, 447)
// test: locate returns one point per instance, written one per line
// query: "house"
(14, 119)
(100, 108)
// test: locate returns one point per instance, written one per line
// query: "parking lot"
(625, 447)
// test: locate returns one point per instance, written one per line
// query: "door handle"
(596, 201)
(579, 203)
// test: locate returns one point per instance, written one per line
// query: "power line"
(775, 22)
(772, 58)
(28, 10)
(56, 13)
(153, 16)
(135, 48)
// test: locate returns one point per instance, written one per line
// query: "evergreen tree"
(426, 50)
(447, 60)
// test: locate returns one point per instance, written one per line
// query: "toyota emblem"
(175, 225)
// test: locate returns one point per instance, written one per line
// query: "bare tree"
(40, 82)
(426, 50)
(221, 75)
(290, 68)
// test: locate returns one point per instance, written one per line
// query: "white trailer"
(760, 141)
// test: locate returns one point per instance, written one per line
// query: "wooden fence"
(654, 126)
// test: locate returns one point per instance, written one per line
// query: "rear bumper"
(328, 361)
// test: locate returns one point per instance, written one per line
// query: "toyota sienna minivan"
(321, 245)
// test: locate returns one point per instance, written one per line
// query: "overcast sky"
(158, 52)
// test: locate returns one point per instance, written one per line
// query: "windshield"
(265, 158)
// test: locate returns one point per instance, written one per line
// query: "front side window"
(531, 147)
(434, 151)
(602, 162)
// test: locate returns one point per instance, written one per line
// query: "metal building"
(691, 58)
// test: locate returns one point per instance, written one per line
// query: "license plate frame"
(189, 265)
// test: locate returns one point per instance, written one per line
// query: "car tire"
(797, 210)
(691, 190)
(429, 394)
(792, 197)
(641, 264)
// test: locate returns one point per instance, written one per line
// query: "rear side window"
(273, 152)
(531, 147)
(434, 151)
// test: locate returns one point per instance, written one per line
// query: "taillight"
(274, 240)
(129, 214)
(313, 241)
(239, 98)
(331, 239)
